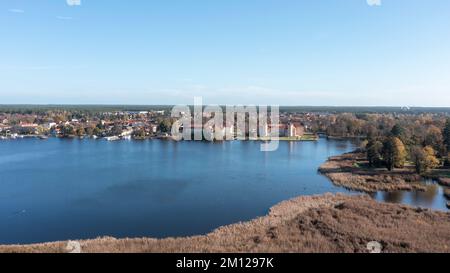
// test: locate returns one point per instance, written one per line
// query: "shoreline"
(347, 171)
(320, 223)
(305, 138)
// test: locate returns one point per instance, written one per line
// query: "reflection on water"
(67, 189)
(432, 197)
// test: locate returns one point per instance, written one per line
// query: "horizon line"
(146, 105)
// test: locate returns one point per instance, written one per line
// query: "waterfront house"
(28, 125)
(295, 130)
(4, 128)
(282, 129)
(290, 129)
(50, 125)
(127, 132)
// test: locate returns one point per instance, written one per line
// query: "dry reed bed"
(326, 223)
(345, 171)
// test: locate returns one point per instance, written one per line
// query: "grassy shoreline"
(323, 223)
(349, 171)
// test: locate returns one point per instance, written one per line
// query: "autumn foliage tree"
(394, 153)
(424, 159)
(434, 139)
(431, 161)
(80, 131)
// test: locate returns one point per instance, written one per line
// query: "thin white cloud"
(73, 2)
(374, 2)
(16, 10)
(38, 67)
(64, 18)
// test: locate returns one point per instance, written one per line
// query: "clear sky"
(287, 52)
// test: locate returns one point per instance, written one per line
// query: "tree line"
(393, 140)
(402, 144)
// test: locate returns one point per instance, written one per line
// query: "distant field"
(85, 108)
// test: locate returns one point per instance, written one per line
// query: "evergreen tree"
(374, 152)
(446, 135)
(418, 157)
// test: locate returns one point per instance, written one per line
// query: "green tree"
(446, 135)
(418, 157)
(116, 130)
(447, 160)
(374, 152)
(165, 126)
(68, 130)
(139, 133)
(97, 131)
(398, 130)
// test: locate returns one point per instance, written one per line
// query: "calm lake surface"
(62, 189)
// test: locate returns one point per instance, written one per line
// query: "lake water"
(62, 189)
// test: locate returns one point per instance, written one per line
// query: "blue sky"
(311, 52)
